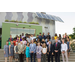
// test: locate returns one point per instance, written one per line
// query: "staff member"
(50, 52)
(57, 50)
(21, 51)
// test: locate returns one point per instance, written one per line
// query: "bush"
(16, 21)
(6, 20)
(24, 22)
(20, 21)
(12, 21)
(33, 23)
(73, 45)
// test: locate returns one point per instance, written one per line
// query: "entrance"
(19, 31)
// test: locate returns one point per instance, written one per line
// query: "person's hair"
(39, 33)
(28, 43)
(43, 45)
(55, 34)
(63, 39)
(59, 35)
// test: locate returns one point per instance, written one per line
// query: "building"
(43, 23)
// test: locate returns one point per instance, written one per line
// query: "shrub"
(33, 23)
(20, 21)
(12, 21)
(16, 21)
(24, 22)
(6, 20)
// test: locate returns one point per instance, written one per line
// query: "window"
(19, 31)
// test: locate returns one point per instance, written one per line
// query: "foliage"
(72, 35)
(6, 20)
(16, 21)
(24, 22)
(33, 23)
(73, 45)
(20, 21)
(12, 21)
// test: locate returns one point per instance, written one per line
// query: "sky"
(69, 22)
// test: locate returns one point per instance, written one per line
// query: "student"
(44, 51)
(68, 44)
(42, 42)
(40, 37)
(21, 48)
(64, 50)
(50, 52)
(38, 52)
(6, 51)
(24, 41)
(52, 41)
(32, 49)
(14, 41)
(10, 38)
(11, 51)
(29, 39)
(55, 37)
(27, 52)
(9, 42)
(16, 52)
(49, 36)
(57, 50)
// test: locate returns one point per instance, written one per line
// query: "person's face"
(21, 42)
(40, 34)
(32, 41)
(38, 44)
(10, 36)
(49, 42)
(6, 43)
(43, 33)
(62, 41)
(44, 44)
(42, 39)
(52, 38)
(28, 44)
(37, 35)
(48, 33)
(11, 42)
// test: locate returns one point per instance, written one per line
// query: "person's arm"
(4, 49)
(30, 48)
(66, 47)
(25, 48)
(61, 47)
(35, 48)
(46, 50)
(9, 49)
(14, 50)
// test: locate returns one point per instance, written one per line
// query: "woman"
(60, 37)
(9, 42)
(11, 51)
(43, 41)
(68, 45)
(38, 52)
(55, 37)
(16, 52)
(44, 51)
(24, 41)
(20, 38)
(27, 52)
(6, 51)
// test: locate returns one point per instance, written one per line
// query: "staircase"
(70, 59)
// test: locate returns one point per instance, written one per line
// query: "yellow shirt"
(55, 37)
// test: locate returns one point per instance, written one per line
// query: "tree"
(73, 34)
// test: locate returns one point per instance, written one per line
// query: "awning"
(47, 16)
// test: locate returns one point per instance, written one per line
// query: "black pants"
(21, 57)
(57, 57)
(50, 56)
(32, 54)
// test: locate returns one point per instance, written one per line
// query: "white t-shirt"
(44, 50)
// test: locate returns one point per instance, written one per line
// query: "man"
(32, 37)
(32, 49)
(21, 48)
(29, 39)
(52, 41)
(64, 50)
(49, 36)
(23, 35)
(44, 36)
(37, 38)
(50, 52)
(57, 50)
(40, 37)
(10, 38)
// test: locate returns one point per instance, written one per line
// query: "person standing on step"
(6, 51)
(44, 51)
(68, 44)
(32, 49)
(16, 52)
(64, 50)
(57, 50)
(11, 51)
(27, 52)
(21, 48)
(50, 52)
(38, 52)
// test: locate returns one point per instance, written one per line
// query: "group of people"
(42, 47)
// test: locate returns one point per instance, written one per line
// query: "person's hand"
(16, 52)
(37, 53)
(31, 51)
(52, 53)
(48, 53)
(4, 52)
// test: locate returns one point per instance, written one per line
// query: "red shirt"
(14, 43)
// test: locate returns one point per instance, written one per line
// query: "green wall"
(6, 30)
